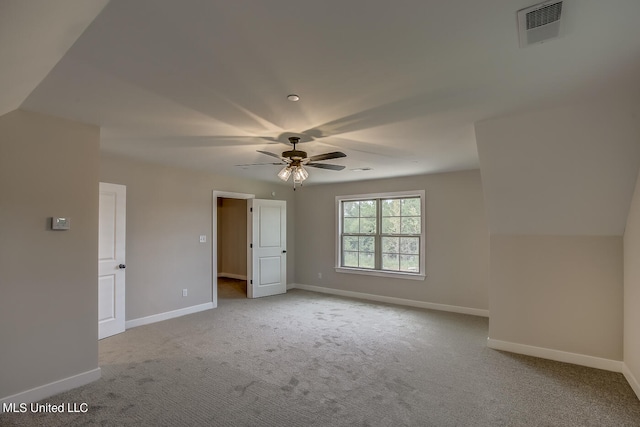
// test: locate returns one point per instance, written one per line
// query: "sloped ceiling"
(568, 170)
(396, 85)
(34, 35)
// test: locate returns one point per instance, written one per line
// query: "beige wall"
(457, 239)
(557, 185)
(232, 237)
(558, 292)
(167, 210)
(632, 289)
(48, 279)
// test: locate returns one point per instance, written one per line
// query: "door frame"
(214, 238)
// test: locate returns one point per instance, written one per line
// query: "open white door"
(268, 267)
(111, 259)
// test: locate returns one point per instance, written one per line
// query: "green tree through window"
(382, 233)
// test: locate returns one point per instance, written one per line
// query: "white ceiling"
(396, 85)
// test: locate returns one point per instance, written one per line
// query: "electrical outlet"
(184, 292)
(319, 275)
(203, 238)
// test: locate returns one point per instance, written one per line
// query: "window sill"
(392, 274)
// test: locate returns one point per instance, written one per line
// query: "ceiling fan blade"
(259, 164)
(270, 154)
(327, 156)
(188, 141)
(326, 166)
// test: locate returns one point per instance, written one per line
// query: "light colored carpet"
(307, 359)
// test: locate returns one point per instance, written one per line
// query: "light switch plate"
(203, 238)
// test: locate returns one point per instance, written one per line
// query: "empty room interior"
(319, 213)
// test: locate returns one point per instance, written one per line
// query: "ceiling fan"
(294, 160)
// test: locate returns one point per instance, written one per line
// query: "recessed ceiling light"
(293, 97)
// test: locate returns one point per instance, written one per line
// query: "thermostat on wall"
(59, 223)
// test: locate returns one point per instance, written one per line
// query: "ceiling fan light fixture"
(304, 173)
(300, 174)
(285, 173)
(295, 159)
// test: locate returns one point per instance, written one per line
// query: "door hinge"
(251, 282)
(251, 245)
(250, 209)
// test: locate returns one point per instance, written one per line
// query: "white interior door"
(268, 272)
(111, 259)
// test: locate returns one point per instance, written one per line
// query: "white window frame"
(421, 275)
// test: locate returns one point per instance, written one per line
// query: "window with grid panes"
(382, 234)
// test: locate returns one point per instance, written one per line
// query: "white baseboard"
(631, 379)
(233, 276)
(557, 355)
(393, 300)
(167, 315)
(42, 392)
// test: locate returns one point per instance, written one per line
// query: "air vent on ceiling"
(539, 23)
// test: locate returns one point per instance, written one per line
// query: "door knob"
(122, 266)
(284, 252)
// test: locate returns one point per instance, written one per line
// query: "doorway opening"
(230, 245)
